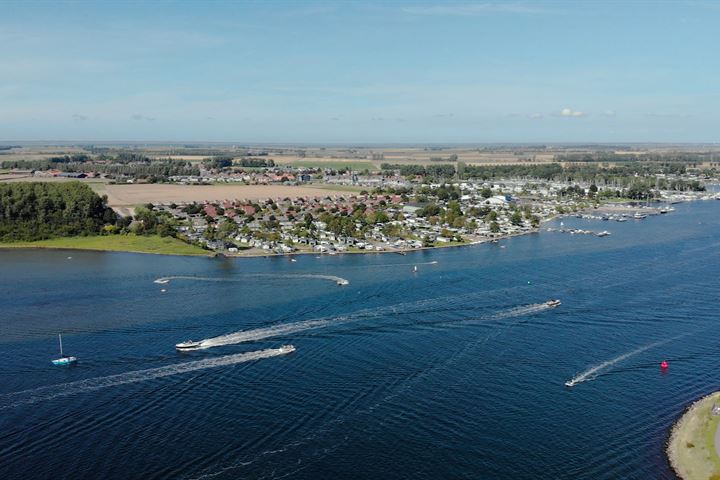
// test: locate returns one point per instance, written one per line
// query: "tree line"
(37, 211)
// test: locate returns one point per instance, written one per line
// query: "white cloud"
(535, 115)
(569, 112)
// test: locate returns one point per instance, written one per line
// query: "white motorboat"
(287, 349)
(188, 345)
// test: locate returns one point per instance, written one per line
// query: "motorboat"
(188, 345)
(64, 359)
(287, 349)
(343, 282)
(553, 303)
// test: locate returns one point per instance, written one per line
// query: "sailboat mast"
(60, 338)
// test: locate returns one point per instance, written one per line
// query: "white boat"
(188, 345)
(604, 233)
(553, 303)
(569, 383)
(639, 216)
(343, 282)
(287, 349)
(63, 360)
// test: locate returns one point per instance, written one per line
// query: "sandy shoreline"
(692, 450)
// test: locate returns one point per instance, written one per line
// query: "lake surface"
(455, 371)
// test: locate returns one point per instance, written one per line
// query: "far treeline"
(619, 176)
(692, 158)
(37, 211)
(124, 164)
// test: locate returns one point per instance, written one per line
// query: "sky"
(346, 72)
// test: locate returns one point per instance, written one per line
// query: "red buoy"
(664, 365)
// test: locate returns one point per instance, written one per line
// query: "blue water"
(451, 372)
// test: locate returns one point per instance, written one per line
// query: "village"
(386, 220)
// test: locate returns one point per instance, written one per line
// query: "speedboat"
(188, 345)
(342, 282)
(569, 383)
(553, 303)
(287, 349)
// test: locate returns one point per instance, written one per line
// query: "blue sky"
(361, 72)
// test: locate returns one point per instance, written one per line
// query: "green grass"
(116, 243)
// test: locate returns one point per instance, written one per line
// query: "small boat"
(553, 303)
(569, 383)
(604, 233)
(343, 282)
(415, 269)
(63, 360)
(188, 345)
(287, 349)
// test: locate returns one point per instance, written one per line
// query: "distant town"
(360, 202)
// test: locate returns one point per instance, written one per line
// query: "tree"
(494, 227)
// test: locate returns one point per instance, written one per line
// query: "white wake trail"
(27, 397)
(521, 311)
(245, 277)
(592, 372)
(398, 309)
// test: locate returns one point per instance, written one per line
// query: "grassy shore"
(116, 243)
(691, 449)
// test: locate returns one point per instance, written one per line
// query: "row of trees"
(36, 211)
(435, 171)
(159, 169)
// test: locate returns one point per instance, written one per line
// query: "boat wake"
(242, 278)
(36, 395)
(419, 307)
(521, 311)
(593, 372)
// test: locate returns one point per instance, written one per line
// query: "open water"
(455, 371)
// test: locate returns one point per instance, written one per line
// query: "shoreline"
(213, 254)
(692, 450)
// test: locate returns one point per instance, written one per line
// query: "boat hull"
(64, 361)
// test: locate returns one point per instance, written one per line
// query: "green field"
(116, 243)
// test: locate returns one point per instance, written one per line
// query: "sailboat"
(63, 360)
